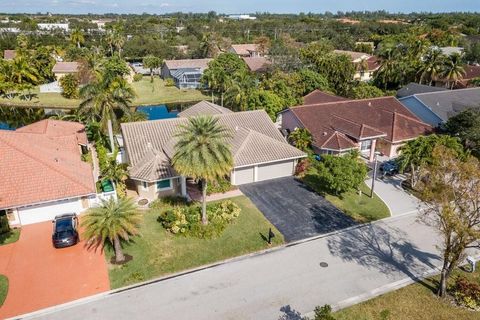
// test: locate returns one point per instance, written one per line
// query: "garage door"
(275, 170)
(47, 212)
(244, 175)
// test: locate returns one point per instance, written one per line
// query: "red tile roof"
(318, 96)
(332, 124)
(38, 167)
(373, 63)
(471, 72)
(56, 129)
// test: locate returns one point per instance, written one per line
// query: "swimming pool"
(158, 112)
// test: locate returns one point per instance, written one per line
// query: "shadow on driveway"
(295, 210)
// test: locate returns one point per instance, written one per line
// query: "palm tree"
(301, 138)
(388, 73)
(21, 71)
(453, 70)
(202, 152)
(431, 66)
(77, 37)
(114, 171)
(151, 62)
(239, 89)
(114, 220)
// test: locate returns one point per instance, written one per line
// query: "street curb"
(101, 295)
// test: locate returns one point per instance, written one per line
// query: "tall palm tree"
(239, 89)
(77, 37)
(114, 171)
(202, 152)
(21, 71)
(103, 96)
(114, 220)
(431, 66)
(453, 70)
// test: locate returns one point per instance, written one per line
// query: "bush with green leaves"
(219, 186)
(323, 313)
(467, 293)
(169, 82)
(4, 226)
(69, 84)
(137, 77)
(186, 220)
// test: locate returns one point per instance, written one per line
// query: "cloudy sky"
(244, 6)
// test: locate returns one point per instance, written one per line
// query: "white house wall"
(48, 211)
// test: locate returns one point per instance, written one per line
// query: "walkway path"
(360, 260)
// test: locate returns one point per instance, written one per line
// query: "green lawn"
(416, 301)
(157, 252)
(360, 207)
(3, 288)
(147, 94)
(9, 237)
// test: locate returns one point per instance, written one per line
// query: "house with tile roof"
(62, 68)
(257, 64)
(260, 152)
(365, 64)
(368, 125)
(185, 72)
(245, 50)
(416, 88)
(435, 108)
(471, 72)
(42, 172)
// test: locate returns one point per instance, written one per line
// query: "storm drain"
(323, 264)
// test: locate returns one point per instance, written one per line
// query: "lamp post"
(374, 177)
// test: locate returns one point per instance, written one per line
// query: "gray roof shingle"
(415, 88)
(205, 108)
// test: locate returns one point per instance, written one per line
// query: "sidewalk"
(359, 263)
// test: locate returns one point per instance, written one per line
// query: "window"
(366, 145)
(144, 185)
(164, 184)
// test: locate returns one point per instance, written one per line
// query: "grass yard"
(147, 94)
(3, 288)
(157, 252)
(416, 301)
(9, 237)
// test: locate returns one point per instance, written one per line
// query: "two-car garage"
(264, 171)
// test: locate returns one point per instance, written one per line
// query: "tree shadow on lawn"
(383, 248)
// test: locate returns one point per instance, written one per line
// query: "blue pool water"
(158, 112)
(4, 126)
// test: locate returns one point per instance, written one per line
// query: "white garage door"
(275, 170)
(47, 212)
(244, 175)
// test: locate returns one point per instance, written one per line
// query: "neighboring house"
(259, 150)
(451, 50)
(471, 72)
(367, 125)
(245, 50)
(53, 26)
(9, 54)
(365, 64)
(257, 64)
(415, 88)
(186, 73)
(42, 172)
(317, 96)
(435, 108)
(61, 69)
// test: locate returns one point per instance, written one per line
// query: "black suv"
(389, 167)
(65, 232)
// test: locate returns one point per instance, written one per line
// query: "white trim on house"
(266, 162)
(157, 189)
(47, 202)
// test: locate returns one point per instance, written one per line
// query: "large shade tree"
(202, 153)
(113, 221)
(466, 126)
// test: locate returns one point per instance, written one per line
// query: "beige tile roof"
(244, 49)
(187, 64)
(155, 165)
(205, 108)
(36, 168)
(354, 55)
(65, 67)
(255, 140)
(257, 64)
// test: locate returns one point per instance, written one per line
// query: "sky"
(244, 6)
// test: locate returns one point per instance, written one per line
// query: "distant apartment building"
(241, 17)
(53, 26)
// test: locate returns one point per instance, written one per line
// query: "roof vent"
(325, 133)
(56, 159)
(236, 128)
(369, 104)
(149, 145)
(438, 103)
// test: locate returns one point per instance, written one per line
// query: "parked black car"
(389, 167)
(65, 232)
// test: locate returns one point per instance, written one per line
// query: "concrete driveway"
(389, 189)
(295, 210)
(41, 276)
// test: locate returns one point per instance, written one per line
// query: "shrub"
(4, 226)
(302, 167)
(324, 313)
(69, 84)
(137, 77)
(467, 293)
(169, 82)
(219, 186)
(168, 201)
(186, 220)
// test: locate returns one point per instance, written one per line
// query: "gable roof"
(446, 104)
(57, 130)
(257, 64)
(255, 139)
(340, 125)
(317, 96)
(37, 168)
(65, 67)
(187, 64)
(203, 108)
(415, 88)
(244, 49)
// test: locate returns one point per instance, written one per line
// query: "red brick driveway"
(41, 276)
